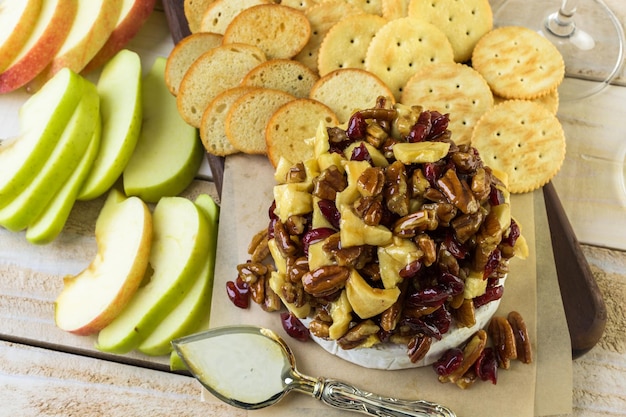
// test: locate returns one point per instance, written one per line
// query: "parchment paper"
(246, 197)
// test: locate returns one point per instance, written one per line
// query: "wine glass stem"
(561, 23)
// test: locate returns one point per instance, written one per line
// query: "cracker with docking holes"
(246, 120)
(368, 6)
(518, 63)
(214, 71)
(451, 88)
(280, 31)
(291, 125)
(349, 89)
(185, 53)
(550, 101)
(524, 140)
(213, 125)
(345, 45)
(220, 13)
(463, 22)
(403, 46)
(322, 17)
(283, 74)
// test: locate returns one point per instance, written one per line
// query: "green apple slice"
(180, 239)
(50, 223)
(169, 152)
(63, 160)
(43, 118)
(93, 298)
(192, 313)
(119, 87)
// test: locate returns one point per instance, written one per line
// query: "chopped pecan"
(428, 246)
(418, 347)
(370, 209)
(468, 379)
(503, 341)
(296, 225)
(445, 212)
(466, 225)
(325, 280)
(419, 183)
(466, 160)
(296, 173)
(258, 246)
(396, 189)
(481, 184)
(296, 268)
(257, 290)
(251, 271)
(328, 183)
(272, 301)
(283, 240)
(376, 134)
(319, 328)
(457, 192)
(465, 315)
(354, 256)
(410, 225)
(371, 181)
(522, 341)
(358, 334)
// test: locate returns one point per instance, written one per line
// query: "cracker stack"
(258, 76)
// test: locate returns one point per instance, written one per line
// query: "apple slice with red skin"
(132, 17)
(93, 298)
(17, 20)
(48, 34)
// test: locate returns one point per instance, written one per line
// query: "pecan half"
(522, 341)
(258, 248)
(371, 181)
(418, 347)
(370, 209)
(457, 192)
(325, 280)
(465, 315)
(503, 341)
(471, 353)
(329, 182)
(358, 334)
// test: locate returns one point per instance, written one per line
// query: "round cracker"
(451, 88)
(279, 31)
(283, 74)
(403, 46)
(291, 125)
(345, 45)
(395, 9)
(550, 101)
(522, 139)
(463, 22)
(518, 63)
(246, 120)
(350, 89)
(213, 126)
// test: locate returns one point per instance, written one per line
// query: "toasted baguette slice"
(280, 31)
(248, 116)
(214, 71)
(287, 75)
(291, 125)
(349, 89)
(213, 127)
(220, 13)
(185, 54)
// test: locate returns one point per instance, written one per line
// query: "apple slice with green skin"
(168, 152)
(51, 222)
(43, 118)
(180, 239)
(119, 87)
(132, 17)
(48, 33)
(17, 20)
(60, 164)
(193, 311)
(92, 299)
(94, 22)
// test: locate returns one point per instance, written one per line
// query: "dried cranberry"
(430, 296)
(492, 262)
(432, 172)
(238, 292)
(294, 327)
(486, 366)
(357, 126)
(328, 208)
(439, 123)
(360, 153)
(491, 294)
(449, 362)
(411, 269)
(272, 210)
(453, 246)
(496, 196)
(314, 236)
(420, 326)
(514, 234)
(440, 318)
(453, 284)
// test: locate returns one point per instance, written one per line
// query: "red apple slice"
(94, 22)
(132, 17)
(17, 20)
(48, 34)
(93, 298)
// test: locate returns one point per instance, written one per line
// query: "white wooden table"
(39, 379)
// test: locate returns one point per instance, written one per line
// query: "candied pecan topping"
(396, 189)
(503, 341)
(329, 183)
(370, 209)
(371, 181)
(358, 334)
(522, 341)
(325, 280)
(418, 347)
(296, 173)
(457, 192)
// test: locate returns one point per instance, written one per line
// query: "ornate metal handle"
(347, 397)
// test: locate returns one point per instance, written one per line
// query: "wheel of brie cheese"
(390, 243)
